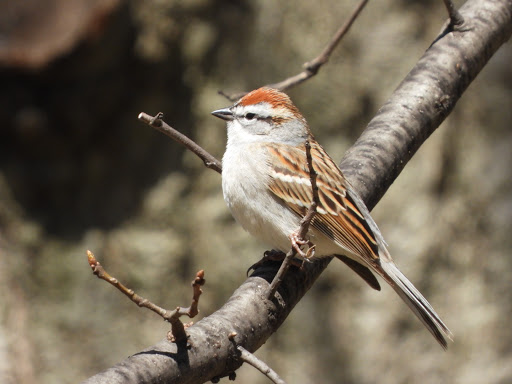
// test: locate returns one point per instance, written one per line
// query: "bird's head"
(264, 115)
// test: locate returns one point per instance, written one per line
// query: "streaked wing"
(338, 216)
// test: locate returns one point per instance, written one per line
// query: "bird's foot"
(272, 255)
(298, 243)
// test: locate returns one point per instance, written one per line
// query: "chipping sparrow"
(266, 185)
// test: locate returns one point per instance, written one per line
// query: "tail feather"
(417, 303)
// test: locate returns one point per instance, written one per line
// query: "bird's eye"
(250, 116)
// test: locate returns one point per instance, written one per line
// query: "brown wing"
(338, 216)
(342, 216)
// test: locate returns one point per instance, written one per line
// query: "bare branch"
(157, 122)
(197, 283)
(260, 365)
(314, 188)
(425, 98)
(312, 67)
(232, 96)
(178, 329)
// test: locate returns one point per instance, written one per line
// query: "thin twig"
(178, 329)
(260, 365)
(278, 278)
(304, 225)
(157, 122)
(312, 67)
(251, 359)
(314, 188)
(456, 19)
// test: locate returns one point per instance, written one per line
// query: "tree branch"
(425, 98)
(249, 358)
(413, 112)
(178, 328)
(160, 125)
(312, 67)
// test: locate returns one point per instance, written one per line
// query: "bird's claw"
(272, 255)
(298, 243)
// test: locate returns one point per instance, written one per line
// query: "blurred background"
(78, 171)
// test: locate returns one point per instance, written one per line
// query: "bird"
(266, 184)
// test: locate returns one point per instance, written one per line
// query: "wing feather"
(343, 217)
(338, 216)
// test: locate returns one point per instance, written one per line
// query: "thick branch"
(414, 111)
(210, 352)
(425, 98)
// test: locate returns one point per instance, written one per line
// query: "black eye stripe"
(250, 116)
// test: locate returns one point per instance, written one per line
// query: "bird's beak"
(224, 114)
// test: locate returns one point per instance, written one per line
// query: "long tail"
(418, 304)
